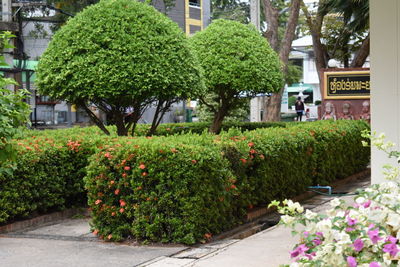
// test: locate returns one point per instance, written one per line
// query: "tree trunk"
(272, 107)
(94, 118)
(218, 119)
(362, 54)
(122, 130)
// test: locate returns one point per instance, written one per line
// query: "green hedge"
(231, 173)
(179, 188)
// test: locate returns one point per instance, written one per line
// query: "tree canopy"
(119, 55)
(237, 62)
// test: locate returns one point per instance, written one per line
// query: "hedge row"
(180, 188)
(186, 188)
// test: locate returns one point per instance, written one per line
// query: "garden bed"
(181, 188)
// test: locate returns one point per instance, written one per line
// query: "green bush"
(119, 55)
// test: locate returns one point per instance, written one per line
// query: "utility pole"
(254, 13)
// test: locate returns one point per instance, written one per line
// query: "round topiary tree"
(120, 56)
(238, 63)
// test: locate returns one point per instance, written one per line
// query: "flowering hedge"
(180, 188)
(185, 188)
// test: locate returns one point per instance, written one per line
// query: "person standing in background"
(299, 106)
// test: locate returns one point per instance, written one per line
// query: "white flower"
(287, 219)
(310, 215)
(335, 202)
(360, 200)
(394, 221)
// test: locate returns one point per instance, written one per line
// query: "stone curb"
(43, 219)
(253, 217)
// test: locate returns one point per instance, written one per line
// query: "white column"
(255, 13)
(385, 98)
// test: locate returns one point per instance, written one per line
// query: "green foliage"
(13, 111)
(118, 55)
(292, 100)
(237, 63)
(236, 59)
(294, 74)
(239, 114)
(180, 188)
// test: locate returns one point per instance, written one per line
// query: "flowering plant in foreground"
(365, 233)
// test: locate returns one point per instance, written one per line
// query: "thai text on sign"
(347, 84)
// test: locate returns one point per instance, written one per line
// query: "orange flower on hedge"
(142, 166)
(109, 236)
(113, 213)
(262, 156)
(243, 160)
(127, 168)
(252, 151)
(97, 202)
(124, 175)
(107, 155)
(121, 210)
(233, 186)
(116, 191)
(207, 235)
(144, 173)
(122, 203)
(173, 150)
(95, 232)
(112, 182)
(194, 161)
(250, 144)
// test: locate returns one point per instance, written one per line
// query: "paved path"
(70, 243)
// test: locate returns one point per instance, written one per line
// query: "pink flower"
(306, 234)
(349, 229)
(310, 256)
(391, 239)
(358, 245)
(367, 204)
(351, 261)
(298, 251)
(317, 241)
(392, 249)
(351, 221)
(319, 234)
(374, 264)
(374, 235)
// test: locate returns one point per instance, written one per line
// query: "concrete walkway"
(70, 243)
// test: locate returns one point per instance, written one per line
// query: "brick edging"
(47, 218)
(258, 212)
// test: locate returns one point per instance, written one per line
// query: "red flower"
(250, 144)
(112, 182)
(233, 186)
(124, 175)
(207, 235)
(262, 156)
(107, 155)
(142, 166)
(95, 232)
(139, 188)
(194, 161)
(173, 150)
(250, 206)
(243, 160)
(116, 191)
(97, 202)
(252, 151)
(122, 203)
(121, 210)
(109, 236)
(113, 213)
(144, 173)
(127, 168)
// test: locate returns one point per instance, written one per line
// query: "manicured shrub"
(173, 189)
(121, 56)
(238, 63)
